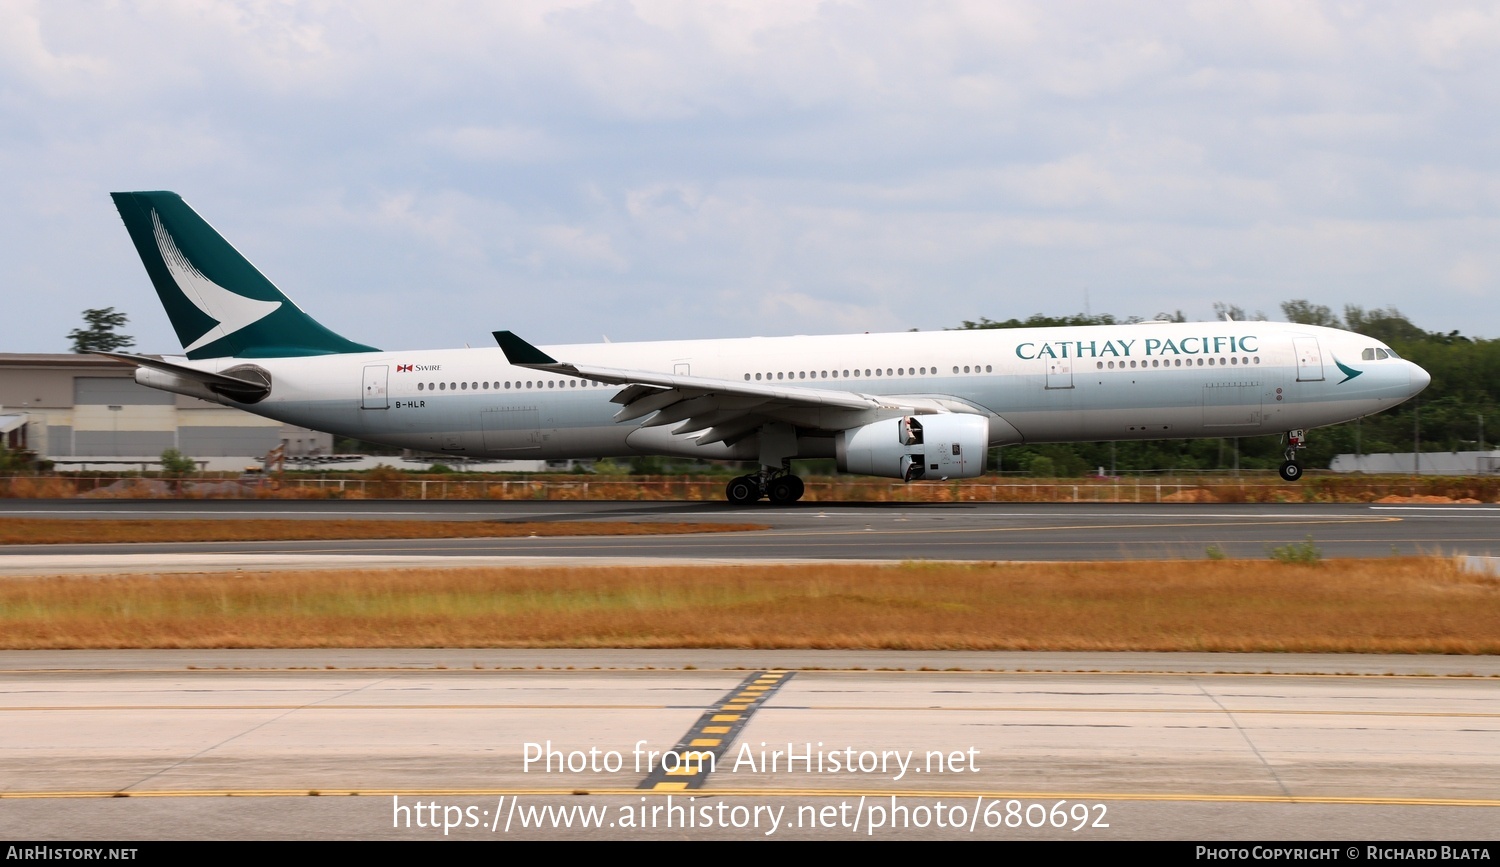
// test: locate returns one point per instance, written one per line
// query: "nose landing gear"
(1291, 468)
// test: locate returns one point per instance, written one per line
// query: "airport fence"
(1326, 489)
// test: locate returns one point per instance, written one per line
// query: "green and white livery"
(220, 304)
(908, 405)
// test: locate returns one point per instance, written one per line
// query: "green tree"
(1307, 313)
(1037, 320)
(1384, 324)
(1232, 311)
(102, 333)
(177, 463)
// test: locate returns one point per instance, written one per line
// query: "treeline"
(1450, 415)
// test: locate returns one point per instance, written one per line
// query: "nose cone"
(1420, 378)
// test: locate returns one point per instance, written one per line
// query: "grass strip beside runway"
(1396, 605)
(53, 531)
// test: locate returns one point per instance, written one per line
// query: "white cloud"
(1457, 38)
(662, 169)
(28, 54)
(512, 143)
(1474, 274)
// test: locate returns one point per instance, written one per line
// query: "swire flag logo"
(403, 368)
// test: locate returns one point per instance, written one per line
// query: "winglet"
(519, 352)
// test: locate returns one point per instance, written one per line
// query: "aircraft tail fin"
(219, 304)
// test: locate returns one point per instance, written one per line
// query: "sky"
(419, 175)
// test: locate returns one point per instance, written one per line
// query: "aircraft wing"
(725, 410)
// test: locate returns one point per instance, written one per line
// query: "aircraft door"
(1059, 372)
(377, 376)
(1309, 359)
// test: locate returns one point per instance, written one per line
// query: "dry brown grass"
(1371, 606)
(50, 531)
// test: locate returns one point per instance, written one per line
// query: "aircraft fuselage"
(1142, 381)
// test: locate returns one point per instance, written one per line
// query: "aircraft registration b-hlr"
(908, 406)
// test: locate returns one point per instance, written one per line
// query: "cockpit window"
(1377, 353)
(1392, 353)
(1367, 355)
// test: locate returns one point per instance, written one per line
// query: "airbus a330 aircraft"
(907, 406)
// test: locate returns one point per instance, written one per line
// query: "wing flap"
(731, 432)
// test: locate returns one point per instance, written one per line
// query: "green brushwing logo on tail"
(1349, 372)
(219, 304)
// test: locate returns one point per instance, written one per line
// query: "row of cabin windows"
(486, 386)
(856, 373)
(1178, 362)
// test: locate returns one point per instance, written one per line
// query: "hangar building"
(87, 409)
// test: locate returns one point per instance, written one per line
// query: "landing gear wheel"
(785, 490)
(742, 491)
(1291, 471)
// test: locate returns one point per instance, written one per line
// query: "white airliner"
(907, 406)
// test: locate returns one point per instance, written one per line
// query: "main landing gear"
(777, 485)
(1291, 468)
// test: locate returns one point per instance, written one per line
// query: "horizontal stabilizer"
(233, 387)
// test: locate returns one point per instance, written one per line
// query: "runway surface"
(1177, 751)
(234, 744)
(805, 533)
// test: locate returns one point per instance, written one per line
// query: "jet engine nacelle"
(945, 446)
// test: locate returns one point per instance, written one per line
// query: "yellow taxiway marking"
(326, 706)
(774, 793)
(733, 717)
